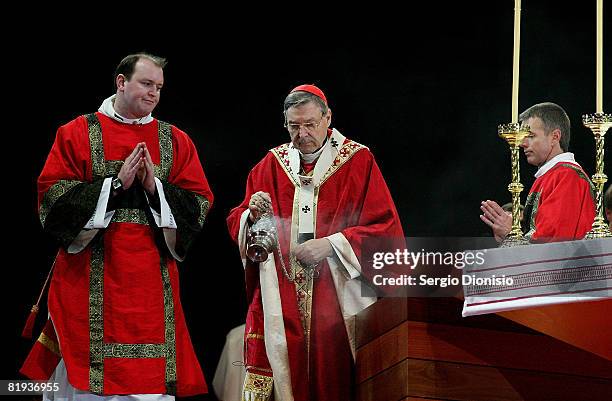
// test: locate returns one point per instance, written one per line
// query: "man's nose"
(524, 143)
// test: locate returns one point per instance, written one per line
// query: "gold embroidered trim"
(282, 155)
(113, 167)
(346, 151)
(134, 350)
(257, 387)
(136, 216)
(532, 202)
(165, 150)
(49, 344)
(96, 318)
(304, 283)
(53, 194)
(256, 336)
(204, 205)
(170, 329)
(96, 146)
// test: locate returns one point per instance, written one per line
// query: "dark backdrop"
(424, 88)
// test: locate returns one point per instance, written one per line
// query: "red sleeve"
(566, 208)
(233, 219)
(378, 218)
(187, 172)
(68, 159)
(255, 358)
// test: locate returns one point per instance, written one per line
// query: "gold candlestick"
(514, 134)
(598, 123)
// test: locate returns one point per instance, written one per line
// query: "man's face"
(141, 93)
(538, 145)
(307, 127)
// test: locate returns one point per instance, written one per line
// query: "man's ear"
(120, 81)
(556, 135)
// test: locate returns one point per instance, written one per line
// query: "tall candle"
(515, 59)
(599, 59)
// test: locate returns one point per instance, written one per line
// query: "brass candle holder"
(598, 123)
(514, 133)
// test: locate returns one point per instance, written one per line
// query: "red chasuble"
(560, 204)
(352, 199)
(115, 305)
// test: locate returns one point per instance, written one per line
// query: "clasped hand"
(138, 165)
(497, 218)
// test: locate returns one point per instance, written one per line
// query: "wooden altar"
(422, 349)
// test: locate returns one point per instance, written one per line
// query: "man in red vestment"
(125, 195)
(327, 196)
(560, 204)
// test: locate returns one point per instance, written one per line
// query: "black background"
(424, 88)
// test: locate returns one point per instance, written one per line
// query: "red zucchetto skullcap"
(311, 89)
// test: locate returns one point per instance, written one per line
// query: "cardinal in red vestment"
(323, 195)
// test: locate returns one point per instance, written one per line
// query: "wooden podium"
(422, 349)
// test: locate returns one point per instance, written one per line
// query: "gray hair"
(553, 117)
(299, 98)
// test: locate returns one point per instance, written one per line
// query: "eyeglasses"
(294, 128)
